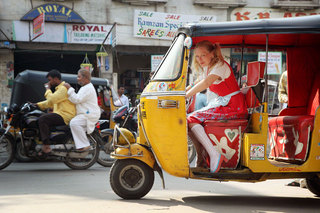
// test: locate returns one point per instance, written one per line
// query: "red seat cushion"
(289, 137)
(225, 135)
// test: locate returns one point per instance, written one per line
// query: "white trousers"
(78, 126)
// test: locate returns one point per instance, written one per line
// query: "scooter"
(24, 121)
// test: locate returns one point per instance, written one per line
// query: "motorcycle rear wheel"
(90, 159)
(106, 148)
(6, 151)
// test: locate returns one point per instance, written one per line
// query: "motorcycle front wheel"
(106, 148)
(90, 159)
(6, 151)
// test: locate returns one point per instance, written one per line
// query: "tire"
(104, 158)
(20, 154)
(131, 178)
(91, 158)
(6, 151)
(191, 150)
(313, 184)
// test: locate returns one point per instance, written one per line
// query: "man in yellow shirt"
(63, 109)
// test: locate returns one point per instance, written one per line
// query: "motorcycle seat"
(64, 128)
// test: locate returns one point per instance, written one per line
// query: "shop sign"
(243, 14)
(65, 33)
(54, 13)
(155, 61)
(38, 26)
(274, 62)
(156, 25)
(87, 33)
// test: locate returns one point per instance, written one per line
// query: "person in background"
(88, 110)
(218, 78)
(283, 90)
(63, 109)
(124, 99)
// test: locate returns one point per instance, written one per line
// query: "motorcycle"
(23, 126)
(124, 117)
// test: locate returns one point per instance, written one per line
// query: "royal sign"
(54, 13)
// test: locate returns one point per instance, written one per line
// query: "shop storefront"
(64, 41)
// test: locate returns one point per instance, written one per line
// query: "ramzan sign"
(54, 13)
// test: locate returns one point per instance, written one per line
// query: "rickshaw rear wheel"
(131, 178)
(313, 184)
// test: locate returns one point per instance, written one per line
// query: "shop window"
(296, 5)
(221, 3)
(142, 2)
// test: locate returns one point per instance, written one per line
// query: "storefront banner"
(54, 13)
(38, 26)
(64, 33)
(87, 33)
(148, 24)
(243, 14)
(274, 62)
(155, 61)
(54, 33)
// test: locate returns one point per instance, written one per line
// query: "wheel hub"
(132, 177)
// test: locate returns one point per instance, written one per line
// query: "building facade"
(142, 31)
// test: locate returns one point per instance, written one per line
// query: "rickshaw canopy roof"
(299, 37)
(282, 32)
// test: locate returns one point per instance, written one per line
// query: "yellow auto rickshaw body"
(162, 109)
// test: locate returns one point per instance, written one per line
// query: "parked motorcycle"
(24, 122)
(124, 117)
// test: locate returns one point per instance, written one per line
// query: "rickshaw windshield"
(171, 65)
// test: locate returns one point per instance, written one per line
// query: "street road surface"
(53, 187)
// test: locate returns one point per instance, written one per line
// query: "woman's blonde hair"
(218, 58)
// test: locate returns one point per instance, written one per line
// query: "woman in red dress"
(225, 101)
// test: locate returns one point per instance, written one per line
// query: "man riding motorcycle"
(63, 109)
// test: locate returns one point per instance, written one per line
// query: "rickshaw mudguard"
(135, 151)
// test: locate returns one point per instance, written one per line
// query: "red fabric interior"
(291, 135)
(255, 72)
(260, 39)
(314, 99)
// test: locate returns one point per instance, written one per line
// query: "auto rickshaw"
(259, 148)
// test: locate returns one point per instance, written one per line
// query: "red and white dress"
(225, 101)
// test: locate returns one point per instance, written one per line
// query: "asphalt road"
(53, 187)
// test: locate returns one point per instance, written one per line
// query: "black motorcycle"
(23, 128)
(125, 118)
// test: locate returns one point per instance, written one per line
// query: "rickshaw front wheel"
(313, 184)
(131, 178)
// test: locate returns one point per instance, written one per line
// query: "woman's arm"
(202, 85)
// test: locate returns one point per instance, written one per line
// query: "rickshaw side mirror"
(188, 42)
